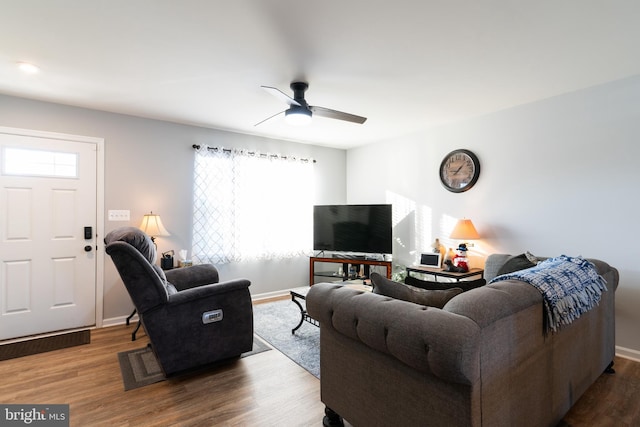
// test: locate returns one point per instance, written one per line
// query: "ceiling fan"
(299, 112)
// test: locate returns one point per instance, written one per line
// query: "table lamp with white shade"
(152, 225)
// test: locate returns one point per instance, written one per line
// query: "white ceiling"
(404, 64)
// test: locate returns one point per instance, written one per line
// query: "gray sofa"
(482, 360)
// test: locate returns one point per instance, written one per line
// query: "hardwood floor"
(265, 389)
(611, 401)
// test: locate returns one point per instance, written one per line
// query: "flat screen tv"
(353, 228)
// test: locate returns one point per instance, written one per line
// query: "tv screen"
(353, 228)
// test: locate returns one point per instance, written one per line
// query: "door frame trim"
(99, 143)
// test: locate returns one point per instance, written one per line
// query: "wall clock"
(459, 170)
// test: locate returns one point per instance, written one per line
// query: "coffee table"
(299, 296)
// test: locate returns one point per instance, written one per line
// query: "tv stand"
(346, 262)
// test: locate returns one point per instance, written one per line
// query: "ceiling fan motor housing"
(299, 88)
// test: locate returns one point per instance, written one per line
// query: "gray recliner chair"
(190, 317)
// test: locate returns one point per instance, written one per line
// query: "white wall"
(559, 176)
(149, 166)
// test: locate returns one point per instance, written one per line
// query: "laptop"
(430, 260)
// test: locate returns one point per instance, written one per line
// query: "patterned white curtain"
(250, 206)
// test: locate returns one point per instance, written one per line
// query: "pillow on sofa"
(432, 298)
(534, 259)
(515, 263)
(465, 285)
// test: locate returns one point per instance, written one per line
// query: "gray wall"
(149, 166)
(559, 176)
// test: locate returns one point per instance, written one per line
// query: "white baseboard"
(121, 320)
(628, 353)
(269, 295)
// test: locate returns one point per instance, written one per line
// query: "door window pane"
(26, 162)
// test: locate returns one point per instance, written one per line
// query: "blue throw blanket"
(569, 286)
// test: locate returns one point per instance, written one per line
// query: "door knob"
(88, 248)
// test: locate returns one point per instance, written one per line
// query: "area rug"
(273, 322)
(140, 367)
(44, 344)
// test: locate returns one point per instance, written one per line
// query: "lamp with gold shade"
(152, 225)
(464, 230)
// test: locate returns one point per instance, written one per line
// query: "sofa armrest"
(189, 277)
(493, 264)
(425, 338)
(609, 274)
(492, 303)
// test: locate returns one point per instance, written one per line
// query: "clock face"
(459, 170)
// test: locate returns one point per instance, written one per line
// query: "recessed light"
(28, 68)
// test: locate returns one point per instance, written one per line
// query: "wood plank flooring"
(266, 389)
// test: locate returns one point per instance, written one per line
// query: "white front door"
(47, 262)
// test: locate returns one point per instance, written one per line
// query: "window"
(28, 162)
(250, 206)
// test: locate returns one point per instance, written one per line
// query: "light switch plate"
(119, 215)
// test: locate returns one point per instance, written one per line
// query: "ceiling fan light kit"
(297, 116)
(300, 113)
(28, 68)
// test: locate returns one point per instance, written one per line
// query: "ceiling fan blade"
(281, 95)
(269, 118)
(339, 115)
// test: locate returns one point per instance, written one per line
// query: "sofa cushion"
(163, 277)
(432, 298)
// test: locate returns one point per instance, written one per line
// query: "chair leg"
(130, 316)
(133, 334)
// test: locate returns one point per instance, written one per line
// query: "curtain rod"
(251, 153)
